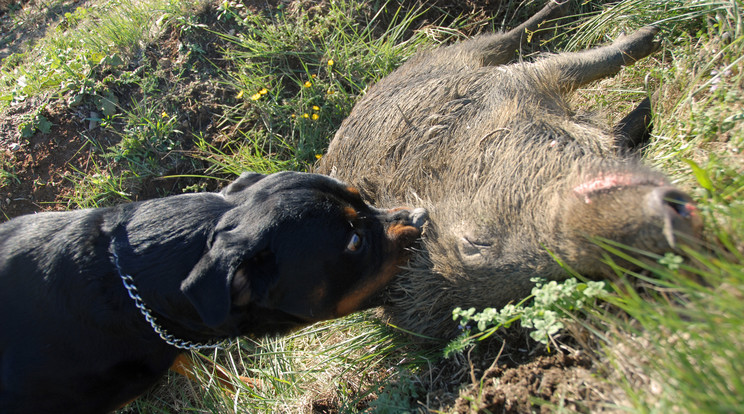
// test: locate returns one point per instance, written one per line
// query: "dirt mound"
(561, 380)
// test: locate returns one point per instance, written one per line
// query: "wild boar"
(508, 172)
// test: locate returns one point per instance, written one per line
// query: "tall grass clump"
(298, 72)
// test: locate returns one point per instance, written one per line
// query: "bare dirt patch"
(562, 380)
(42, 163)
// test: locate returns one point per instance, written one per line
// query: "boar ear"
(245, 180)
(633, 131)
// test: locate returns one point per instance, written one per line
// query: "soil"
(563, 380)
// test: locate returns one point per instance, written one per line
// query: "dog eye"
(355, 242)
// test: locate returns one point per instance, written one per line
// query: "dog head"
(296, 248)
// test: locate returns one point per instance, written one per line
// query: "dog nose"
(419, 217)
(416, 217)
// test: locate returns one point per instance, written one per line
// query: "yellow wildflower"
(316, 108)
(313, 76)
(318, 156)
(330, 62)
(263, 91)
(308, 84)
(306, 115)
(315, 117)
(255, 96)
(164, 114)
(240, 94)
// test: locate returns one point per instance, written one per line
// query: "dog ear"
(245, 180)
(211, 283)
(208, 287)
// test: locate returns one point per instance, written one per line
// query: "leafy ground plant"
(541, 312)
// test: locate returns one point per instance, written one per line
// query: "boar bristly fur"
(510, 175)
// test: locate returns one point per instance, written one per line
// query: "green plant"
(37, 122)
(148, 138)
(257, 153)
(7, 174)
(89, 39)
(101, 186)
(542, 312)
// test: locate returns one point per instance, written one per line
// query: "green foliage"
(689, 333)
(100, 187)
(257, 153)
(673, 17)
(147, 138)
(88, 38)
(541, 312)
(36, 122)
(398, 396)
(7, 174)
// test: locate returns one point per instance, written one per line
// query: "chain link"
(147, 313)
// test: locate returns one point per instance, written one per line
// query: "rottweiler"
(97, 304)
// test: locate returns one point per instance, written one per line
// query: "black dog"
(95, 304)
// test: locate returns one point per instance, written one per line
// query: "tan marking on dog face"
(398, 231)
(353, 190)
(350, 213)
(399, 237)
(353, 301)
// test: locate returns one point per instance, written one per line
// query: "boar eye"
(355, 242)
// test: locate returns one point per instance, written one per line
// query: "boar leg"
(633, 131)
(577, 69)
(499, 49)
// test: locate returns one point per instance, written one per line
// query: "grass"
(282, 79)
(85, 39)
(297, 76)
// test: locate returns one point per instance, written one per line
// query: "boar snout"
(680, 216)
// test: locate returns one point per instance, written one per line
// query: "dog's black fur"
(264, 256)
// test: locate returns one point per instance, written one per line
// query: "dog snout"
(416, 217)
(419, 217)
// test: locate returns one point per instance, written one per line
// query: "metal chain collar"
(147, 313)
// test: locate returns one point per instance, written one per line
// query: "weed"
(7, 174)
(36, 121)
(99, 187)
(147, 138)
(542, 312)
(257, 153)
